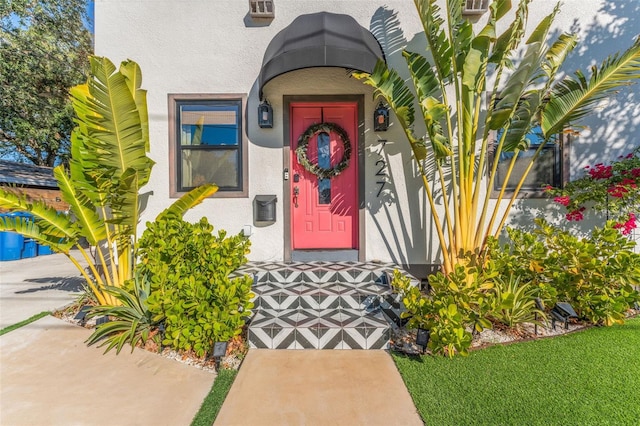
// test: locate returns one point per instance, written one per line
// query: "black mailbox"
(264, 210)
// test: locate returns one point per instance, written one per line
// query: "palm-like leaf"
(188, 200)
(30, 229)
(132, 320)
(439, 44)
(575, 97)
(50, 221)
(91, 225)
(388, 84)
(427, 87)
(107, 108)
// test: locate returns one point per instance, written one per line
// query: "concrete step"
(338, 328)
(322, 305)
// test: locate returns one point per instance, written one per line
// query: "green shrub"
(595, 274)
(457, 303)
(191, 292)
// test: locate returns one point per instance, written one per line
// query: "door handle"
(296, 192)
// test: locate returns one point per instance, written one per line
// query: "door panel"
(325, 211)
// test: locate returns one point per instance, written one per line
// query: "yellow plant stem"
(496, 208)
(436, 217)
(473, 230)
(447, 210)
(481, 236)
(103, 298)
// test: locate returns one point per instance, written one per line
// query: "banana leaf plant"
(525, 89)
(109, 165)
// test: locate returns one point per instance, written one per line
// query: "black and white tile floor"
(321, 305)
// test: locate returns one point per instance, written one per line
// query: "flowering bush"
(611, 188)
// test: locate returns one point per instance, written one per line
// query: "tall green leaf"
(188, 200)
(91, 225)
(51, 222)
(575, 97)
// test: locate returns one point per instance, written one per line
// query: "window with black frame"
(208, 143)
(546, 170)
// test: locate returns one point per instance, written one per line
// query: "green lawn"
(586, 378)
(213, 402)
(36, 317)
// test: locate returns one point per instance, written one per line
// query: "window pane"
(324, 161)
(210, 166)
(542, 173)
(203, 124)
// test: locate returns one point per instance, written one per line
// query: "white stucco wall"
(204, 46)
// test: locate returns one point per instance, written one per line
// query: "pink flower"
(618, 191)
(548, 188)
(629, 182)
(629, 155)
(628, 226)
(575, 215)
(600, 171)
(564, 200)
(635, 172)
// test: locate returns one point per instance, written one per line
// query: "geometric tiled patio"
(321, 305)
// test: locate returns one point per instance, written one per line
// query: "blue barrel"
(11, 245)
(29, 249)
(44, 250)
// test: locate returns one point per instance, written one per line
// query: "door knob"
(296, 192)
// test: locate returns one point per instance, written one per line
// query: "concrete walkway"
(48, 376)
(30, 286)
(318, 387)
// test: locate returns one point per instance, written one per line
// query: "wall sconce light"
(381, 118)
(422, 338)
(265, 115)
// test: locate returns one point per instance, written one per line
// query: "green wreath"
(303, 144)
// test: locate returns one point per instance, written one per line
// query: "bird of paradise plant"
(450, 89)
(108, 167)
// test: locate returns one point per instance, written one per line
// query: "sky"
(90, 13)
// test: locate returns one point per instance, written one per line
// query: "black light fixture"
(562, 312)
(265, 115)
(81, 316)
(381, 118)
(422, 338)
(102, 320)
(219, 350)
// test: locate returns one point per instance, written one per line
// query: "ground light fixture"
(422, 338)
(265, 115)
(381, 118)
(81, 316)
(102, 320)
(219, 350)
(561, 313)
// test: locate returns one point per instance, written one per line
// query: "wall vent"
(261, 9)
(475, 7)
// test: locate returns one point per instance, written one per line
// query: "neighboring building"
(208, 65)
(35, 182)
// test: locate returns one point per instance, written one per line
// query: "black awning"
(320, 40)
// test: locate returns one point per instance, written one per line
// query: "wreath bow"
(303, 145)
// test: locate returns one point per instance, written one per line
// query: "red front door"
(324, 212)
